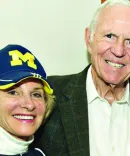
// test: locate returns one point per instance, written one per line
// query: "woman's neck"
(10, 145)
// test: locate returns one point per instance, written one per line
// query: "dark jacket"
(66, 132)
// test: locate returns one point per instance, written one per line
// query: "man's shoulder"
(59, 79)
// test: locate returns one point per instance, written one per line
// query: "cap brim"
(10, 79)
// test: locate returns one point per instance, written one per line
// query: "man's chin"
(115, 82)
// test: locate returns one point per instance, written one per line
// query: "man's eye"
(128, 42)
(12, 92)
(109, 35)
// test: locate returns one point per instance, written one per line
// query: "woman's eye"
(37, 95)
(12, 92)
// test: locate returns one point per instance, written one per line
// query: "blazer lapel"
(74, 114)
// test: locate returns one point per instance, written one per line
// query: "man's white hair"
(107, 3)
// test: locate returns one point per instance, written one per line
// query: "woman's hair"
(107, 3)
(49, 100)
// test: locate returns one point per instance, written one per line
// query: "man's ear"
(103, 1)
(87, 39)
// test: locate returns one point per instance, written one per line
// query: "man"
(92, 113)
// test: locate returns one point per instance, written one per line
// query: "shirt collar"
(126, 97)
(92, 93)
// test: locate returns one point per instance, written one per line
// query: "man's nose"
(27, 103)
(118, 49)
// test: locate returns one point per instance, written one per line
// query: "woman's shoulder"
(34, 152)
(31, 152)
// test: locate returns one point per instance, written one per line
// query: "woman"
(25, 100)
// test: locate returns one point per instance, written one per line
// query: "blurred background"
(52, 29)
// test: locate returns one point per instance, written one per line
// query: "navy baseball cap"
(18, 63)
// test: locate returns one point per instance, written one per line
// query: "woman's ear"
(87, 39)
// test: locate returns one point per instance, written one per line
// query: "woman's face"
(22, 108)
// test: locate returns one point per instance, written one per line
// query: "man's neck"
(108, 91)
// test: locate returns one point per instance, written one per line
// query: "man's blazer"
(66, 133)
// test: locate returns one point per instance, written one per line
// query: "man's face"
(110, 48)
(22, 109)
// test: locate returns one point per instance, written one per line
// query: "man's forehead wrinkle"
(122, 21)
(105, 18)
(108, 26)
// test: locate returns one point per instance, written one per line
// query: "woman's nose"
(27, 103)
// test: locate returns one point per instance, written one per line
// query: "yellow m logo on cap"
(18, 58)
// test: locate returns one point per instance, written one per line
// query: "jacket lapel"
(74, 114)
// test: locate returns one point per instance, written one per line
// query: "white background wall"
(52, 29)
